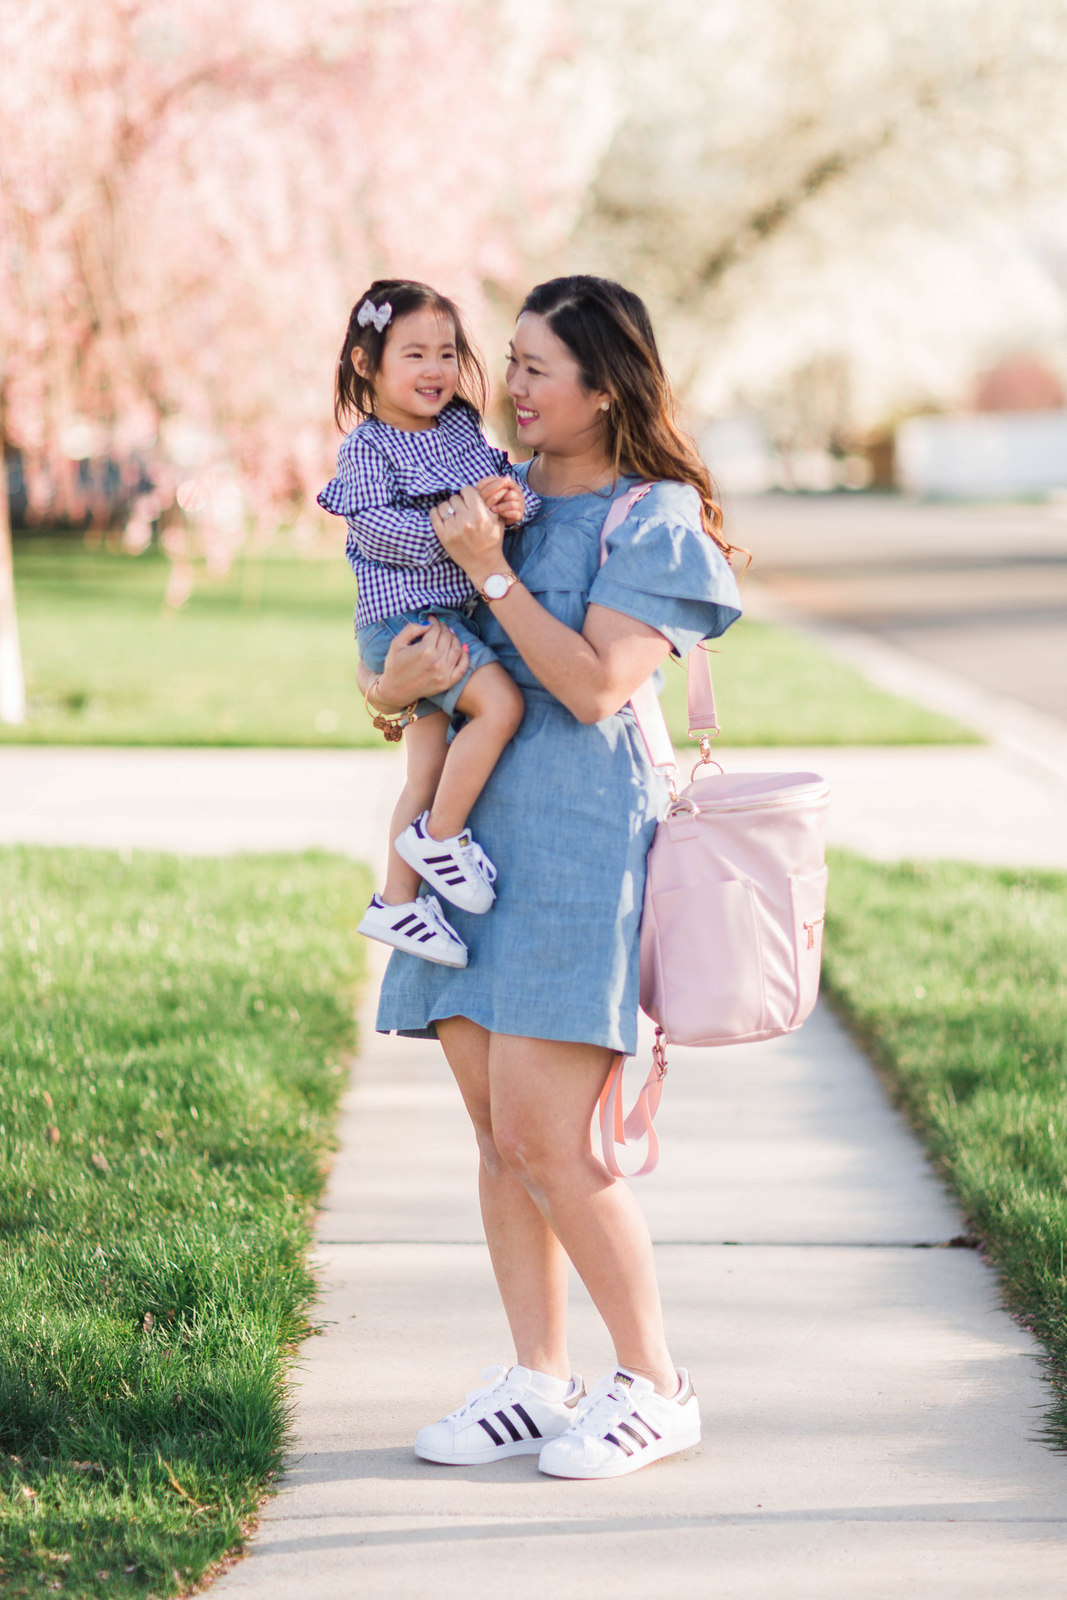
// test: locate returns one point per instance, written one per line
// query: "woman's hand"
(423, 659)
(471, 534)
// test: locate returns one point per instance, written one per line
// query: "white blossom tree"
(793, 183)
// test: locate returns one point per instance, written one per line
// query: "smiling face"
(555, 413)
(418, 373)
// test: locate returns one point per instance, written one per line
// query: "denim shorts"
(373, 643)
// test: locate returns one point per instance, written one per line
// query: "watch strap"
(509, 578)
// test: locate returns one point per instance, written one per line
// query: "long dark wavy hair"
(609, 332)
(354, 393)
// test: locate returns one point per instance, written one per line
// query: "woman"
(550, 995)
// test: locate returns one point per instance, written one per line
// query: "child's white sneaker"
(457, 867)
(417, 927)
(623, 1425)
(512, 1415)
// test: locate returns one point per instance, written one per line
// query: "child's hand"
(504, 498)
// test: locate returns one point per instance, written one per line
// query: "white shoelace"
(500, 1391)
(603, 1409)
(431, 910)
(478, 860)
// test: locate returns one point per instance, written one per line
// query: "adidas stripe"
(638, 1438)
(532, 1430)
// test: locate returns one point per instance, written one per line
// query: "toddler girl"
(408, 370)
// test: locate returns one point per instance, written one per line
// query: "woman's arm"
(422, 660)
(592, 673)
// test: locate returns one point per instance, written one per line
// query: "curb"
(1012, 726)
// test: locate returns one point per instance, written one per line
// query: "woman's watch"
(497, 585)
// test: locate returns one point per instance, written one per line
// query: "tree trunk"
(12, 683)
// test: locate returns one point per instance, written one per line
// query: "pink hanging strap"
(616, 1130)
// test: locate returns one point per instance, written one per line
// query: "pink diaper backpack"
(735, 899)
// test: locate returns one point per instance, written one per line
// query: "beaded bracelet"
(390, 723)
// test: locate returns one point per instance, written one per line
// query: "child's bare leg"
(425, 745)
(494, 704)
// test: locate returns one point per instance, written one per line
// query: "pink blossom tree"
(188, 209)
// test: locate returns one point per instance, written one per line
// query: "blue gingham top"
(387, 481)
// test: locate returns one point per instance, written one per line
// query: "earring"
(605, 405)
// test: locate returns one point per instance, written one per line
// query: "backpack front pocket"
(702, 963)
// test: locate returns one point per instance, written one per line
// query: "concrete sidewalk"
(868, 1409)
(870, 1413)
(967, 802)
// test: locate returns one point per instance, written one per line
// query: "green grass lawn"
(266, 656)
(956, 978)
(173, 1037)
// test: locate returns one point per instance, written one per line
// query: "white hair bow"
(379, 315)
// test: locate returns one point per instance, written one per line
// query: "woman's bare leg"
(532, 1102)
(425, 747)
(528, 1260)
(543, 1095)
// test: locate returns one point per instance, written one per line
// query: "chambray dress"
(569, 811)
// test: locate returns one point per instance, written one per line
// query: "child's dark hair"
(354, 393)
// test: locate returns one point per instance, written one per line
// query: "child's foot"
(457, 867)
(417, 927)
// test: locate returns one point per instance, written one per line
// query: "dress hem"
(423, 1031)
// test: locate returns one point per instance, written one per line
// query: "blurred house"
(739, 455)
(73, 494)
(743, 461)
(1013, 443)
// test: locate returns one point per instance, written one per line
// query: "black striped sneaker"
(623, 1425)
(457, 867)
(512, 1415)
(417, 926)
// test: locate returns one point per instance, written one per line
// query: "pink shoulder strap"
(616, 1128)
(700, 693)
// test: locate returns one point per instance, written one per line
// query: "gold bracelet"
(390, 723)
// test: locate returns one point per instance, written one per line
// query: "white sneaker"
(418, 927)
(624, 1424)
(512, 1415)
(457, 867)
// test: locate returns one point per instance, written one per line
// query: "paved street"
(977, 591)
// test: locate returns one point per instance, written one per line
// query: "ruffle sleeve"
(364, 492)
(662, 569)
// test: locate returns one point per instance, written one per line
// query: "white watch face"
(497, 585)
